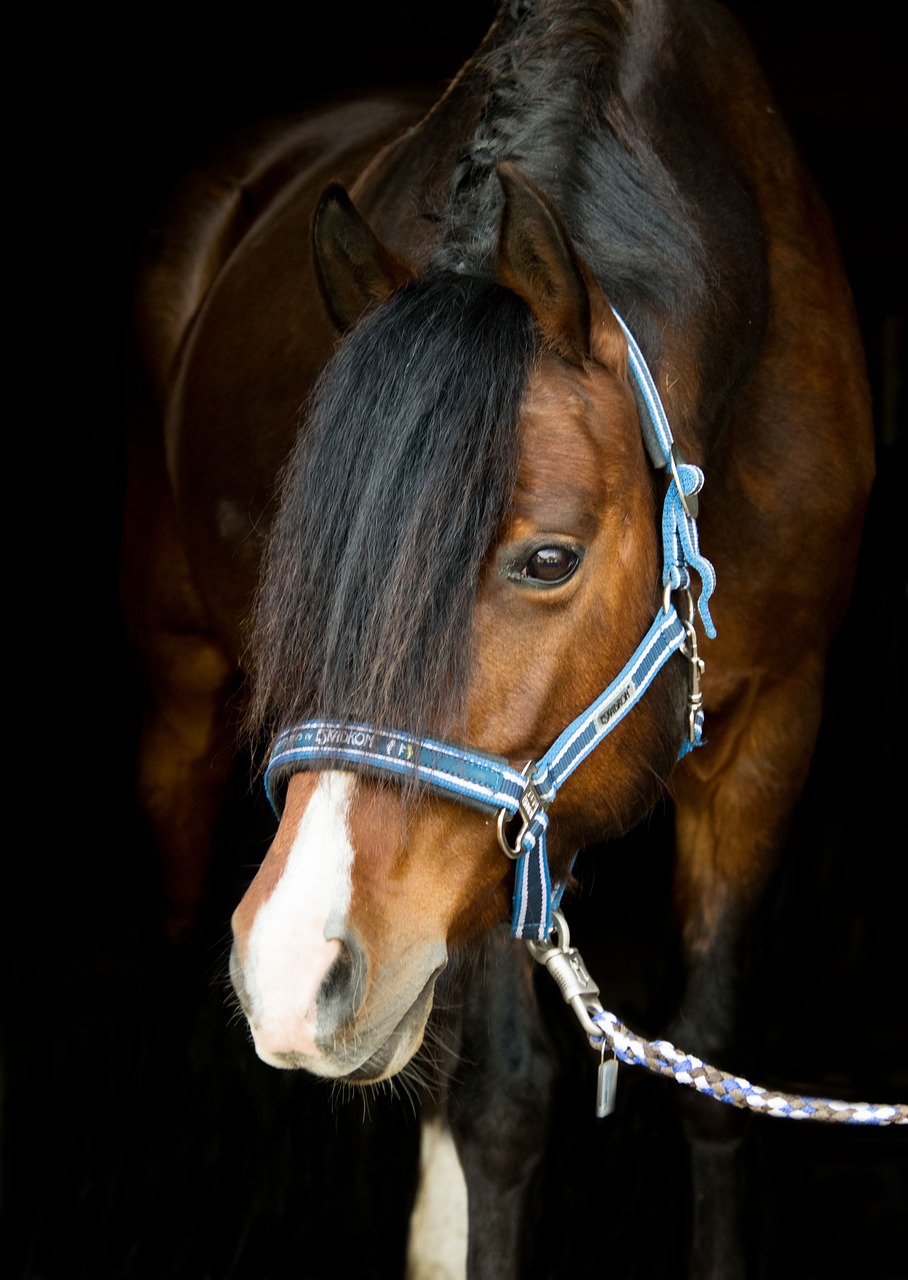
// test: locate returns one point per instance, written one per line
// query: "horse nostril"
(343, 986)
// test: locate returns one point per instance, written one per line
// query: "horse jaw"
(297, 964)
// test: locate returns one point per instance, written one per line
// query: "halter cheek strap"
(488, 782)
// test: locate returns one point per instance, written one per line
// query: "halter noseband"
(488, 782)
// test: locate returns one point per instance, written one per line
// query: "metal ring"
(689, 599)
(505, 816)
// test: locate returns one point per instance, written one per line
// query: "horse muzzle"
(346, 1027)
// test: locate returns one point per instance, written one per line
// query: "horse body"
(468, 536)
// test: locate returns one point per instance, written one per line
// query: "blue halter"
(488, 782)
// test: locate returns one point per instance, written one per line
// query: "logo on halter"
(344, 738)
(608, 713)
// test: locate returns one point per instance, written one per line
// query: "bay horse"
(397, 486)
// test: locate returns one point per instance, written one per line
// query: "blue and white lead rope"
(662, 1057)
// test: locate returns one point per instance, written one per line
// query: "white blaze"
(289, 951)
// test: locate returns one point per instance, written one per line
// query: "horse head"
(468, 544)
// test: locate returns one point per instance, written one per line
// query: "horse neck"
(586, 100)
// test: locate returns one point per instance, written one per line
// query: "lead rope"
(607, 1034)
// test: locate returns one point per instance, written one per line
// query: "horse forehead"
(578, 431)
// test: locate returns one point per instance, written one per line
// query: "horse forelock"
(389, 504)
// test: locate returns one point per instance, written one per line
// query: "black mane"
(554, 90)
(406, 466)
(390, 503)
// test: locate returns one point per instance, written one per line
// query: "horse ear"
(353, 268)
(537, 261)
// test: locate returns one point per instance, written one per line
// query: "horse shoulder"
(232, 331)
(211, 211)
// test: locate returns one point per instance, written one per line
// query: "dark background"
(141, 1136)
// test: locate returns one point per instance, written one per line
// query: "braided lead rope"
(663, 1058)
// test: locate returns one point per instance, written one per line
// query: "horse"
(433, 384)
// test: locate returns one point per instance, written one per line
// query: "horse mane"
(389, 504)
(556, 90)
(394, 491)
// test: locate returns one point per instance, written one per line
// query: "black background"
(141, 1137)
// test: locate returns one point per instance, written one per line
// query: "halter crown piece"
(488, 782)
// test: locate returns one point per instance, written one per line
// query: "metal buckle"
(696, 669)
(529, 804)
(690, 650)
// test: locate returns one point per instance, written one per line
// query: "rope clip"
(578, 989)
(571, 975)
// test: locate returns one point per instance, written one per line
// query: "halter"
(488, 782)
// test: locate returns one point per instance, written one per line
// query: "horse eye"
(551, 564)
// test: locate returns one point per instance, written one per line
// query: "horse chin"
(354, 1057)
(402, 1044)
(396, 1052)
